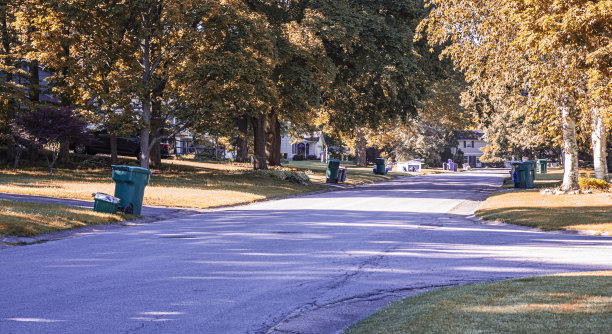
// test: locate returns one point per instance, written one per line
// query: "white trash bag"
(106, 198)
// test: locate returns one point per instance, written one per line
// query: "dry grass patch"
(30, 219)
(549, 212)
(181, 186)
(591, 212)
(317, 170)
(214, 165)
(566, 303)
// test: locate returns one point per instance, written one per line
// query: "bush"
(587, 183)
(312, 157)
(298, 158)
(285, 175)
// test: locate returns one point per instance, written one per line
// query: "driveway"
(312, 264)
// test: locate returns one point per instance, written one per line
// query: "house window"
(294, 149)
(468, 144)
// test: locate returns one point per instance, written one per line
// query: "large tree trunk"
(259, 140)
(34, 87)
(11, 151)
(64, 151)
(360, 148)
(570, 174)
(34, 96)
(145, 132)
(11, 145)
(155, 152)
(113, 148)
(242, 142)
(33, 154)
(277, 144)
(155, 156)
(157, 122)
(599, 142)
(273, 139)
(18, 151)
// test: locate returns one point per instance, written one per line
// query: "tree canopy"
(546, 62)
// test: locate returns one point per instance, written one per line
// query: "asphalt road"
(312, 264)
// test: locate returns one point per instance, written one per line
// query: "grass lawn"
(548, 212)
(566, 303)
(179, 183)
(29, 219)
(355, 175)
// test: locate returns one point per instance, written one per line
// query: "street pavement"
(311, 264)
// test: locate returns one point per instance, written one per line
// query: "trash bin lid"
(131, 169)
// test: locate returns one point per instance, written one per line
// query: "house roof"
(470, 134)
(313, 139)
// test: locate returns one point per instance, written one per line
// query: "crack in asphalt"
(371, 262)
(142, 325)
(466, 206)
(368, 297)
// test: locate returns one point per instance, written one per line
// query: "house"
(308, 145)
(44, 91)
(470, 143)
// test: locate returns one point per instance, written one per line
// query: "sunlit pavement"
(312, 264)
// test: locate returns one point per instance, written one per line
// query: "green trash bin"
(381, 167)
(531, 165)
(130, 183)
(523, 177)
(542, 166)
(333, 166)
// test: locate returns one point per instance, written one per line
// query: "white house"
(470, 143)
(312, 144)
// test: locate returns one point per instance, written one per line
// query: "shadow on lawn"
(556, 218)
(184, 177)
(561, 304)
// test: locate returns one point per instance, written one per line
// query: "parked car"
(164, 147)
(128, 146)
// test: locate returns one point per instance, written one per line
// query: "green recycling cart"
(130, 183)
(531, 164)
(523, 174)
(333, 166)
(542, 166)
(381, 166)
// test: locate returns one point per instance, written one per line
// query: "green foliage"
(537, 62)
(342, 64)
(370, 43)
